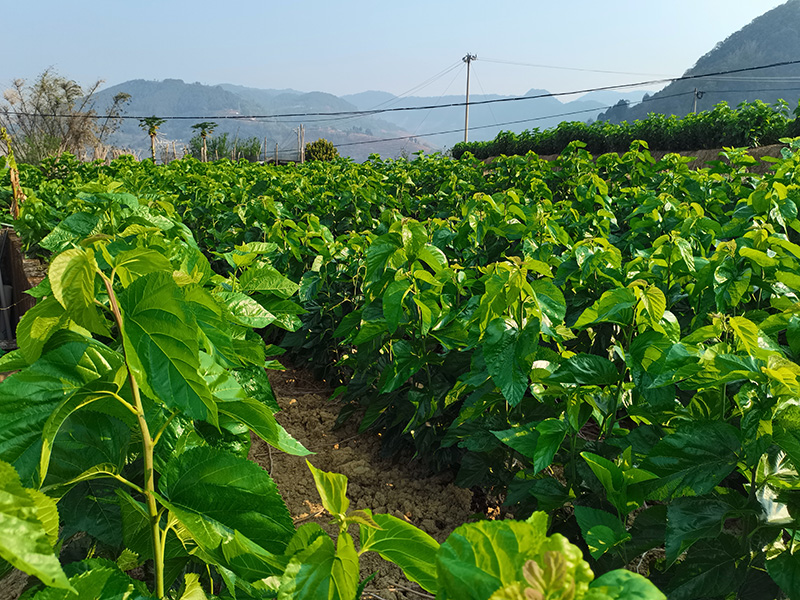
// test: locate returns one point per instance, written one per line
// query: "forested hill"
(173, 97)
(771, 38)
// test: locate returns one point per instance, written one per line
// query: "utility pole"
(697, 96)
(299, 145)
(302, 143)
(467, 59)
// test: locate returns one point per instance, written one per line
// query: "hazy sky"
(352, 46)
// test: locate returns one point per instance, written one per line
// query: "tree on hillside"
(54, 115)
(151, 125)
(206, 128)
(321, 149)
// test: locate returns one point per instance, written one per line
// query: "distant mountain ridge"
(175, 98)
(358, 136)
(768, 39)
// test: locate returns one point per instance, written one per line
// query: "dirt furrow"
(401, 488)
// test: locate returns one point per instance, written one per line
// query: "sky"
(352, 46)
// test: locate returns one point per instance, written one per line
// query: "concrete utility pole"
(300, 139)
(697, 96)
(467, 59)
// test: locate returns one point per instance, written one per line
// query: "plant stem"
(148, 446)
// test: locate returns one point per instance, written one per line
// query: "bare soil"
(401, 488)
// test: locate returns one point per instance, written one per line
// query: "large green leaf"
(610, 477)
(433, 257)
(690, 520)
(480, 558)
(586, 369)
(522, 438)
(192, 589)
(508, 354)
(261, 420)
(38, 324)
(24, 541)
(408, 547)
(322, 572)
(711, 569)
(131, 264)
(785, 571)
(601, 530)
(72, 278)
(537, 442)
(551, 434)
(73, 228)
(92, 392)
(614, 306)
(651, 306)
(74, 367)
(550, 300)
(215, 331)
(92, 507)
(285, 311)
(405, 363)
(233, 401)
(97, 579)
(786, 433)
(393, 303)
(693, 460)
(87, 439)
(245, 310)
(267, 279)
(255, 382)
(161, 345)
(214, 493)
(379, 253)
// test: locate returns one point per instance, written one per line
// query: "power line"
(540, 118)
(392, 100)
(480, 85)
(449, 105)
(565, 114)
(427, 114)
(561, 68)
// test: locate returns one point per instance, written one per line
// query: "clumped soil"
(401, 487)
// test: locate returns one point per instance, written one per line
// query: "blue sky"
(353, 46)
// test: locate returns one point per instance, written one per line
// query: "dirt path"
(404, 490)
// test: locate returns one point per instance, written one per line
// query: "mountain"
(768, 39)
(175, 98)
(258, 95)
(391, 134)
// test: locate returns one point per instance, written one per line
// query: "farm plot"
(611, 341)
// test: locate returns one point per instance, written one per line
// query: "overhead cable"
(542, 118)
(449, 105)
